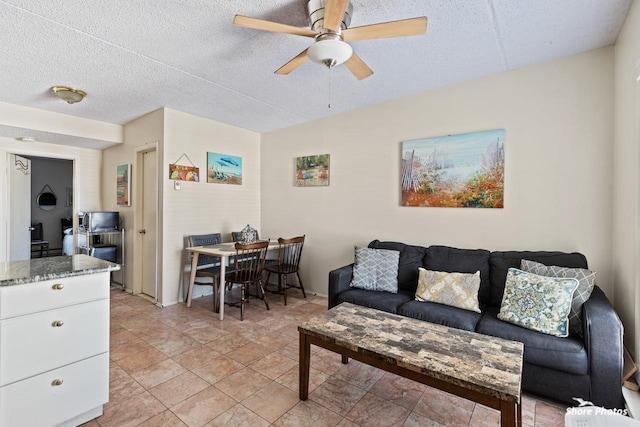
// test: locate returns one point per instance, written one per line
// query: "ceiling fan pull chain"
(329, 78)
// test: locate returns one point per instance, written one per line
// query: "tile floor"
(178, 366)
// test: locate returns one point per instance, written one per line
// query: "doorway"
(40, 206)
(147, 223)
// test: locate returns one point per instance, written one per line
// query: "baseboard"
(632, 401)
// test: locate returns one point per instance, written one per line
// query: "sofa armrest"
(603, 334)
(339, 280)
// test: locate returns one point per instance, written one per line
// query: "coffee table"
(481, 368)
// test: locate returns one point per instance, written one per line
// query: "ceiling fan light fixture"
(69, 94)
(330, 52)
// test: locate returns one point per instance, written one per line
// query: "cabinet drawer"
(37, 402)
(38, 296)
(32, 344)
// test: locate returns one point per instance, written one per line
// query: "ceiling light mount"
(26, 139)
(69, 94)
(315, 10)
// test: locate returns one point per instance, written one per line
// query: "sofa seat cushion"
(385, 301)
(563, 354)
(441, 314)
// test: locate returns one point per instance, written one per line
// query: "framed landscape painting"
(224, 169)
(457, 171)
(312, 171)
(123, 185)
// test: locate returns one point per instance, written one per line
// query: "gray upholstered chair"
(208, 270)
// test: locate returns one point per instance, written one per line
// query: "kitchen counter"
(51, 268)
(54, 340)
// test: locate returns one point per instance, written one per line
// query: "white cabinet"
(54, 351)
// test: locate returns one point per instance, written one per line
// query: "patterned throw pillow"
(376, 270)
(537, 302)
(454, 289)
(586, 278)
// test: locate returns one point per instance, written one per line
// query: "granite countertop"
(486, 364)
(58, 267)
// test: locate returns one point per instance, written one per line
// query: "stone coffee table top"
(488, 365)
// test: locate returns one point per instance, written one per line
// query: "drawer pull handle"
(58, 286)
(57, 323)
(57, 382)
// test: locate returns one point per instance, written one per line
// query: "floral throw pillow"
(538, 302)
(454, 289)
(376, 269)
(586, 279)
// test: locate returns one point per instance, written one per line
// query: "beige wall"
(37, 120)
(88, 168)
(140, 133)
(200, 207)
(626, 199)
(558, 118)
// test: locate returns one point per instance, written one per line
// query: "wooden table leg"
(509, 413)
(192, 277)
(345, 359)
(223, 272)
(305, 356)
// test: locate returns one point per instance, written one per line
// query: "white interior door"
(148, 230)
(19, 221)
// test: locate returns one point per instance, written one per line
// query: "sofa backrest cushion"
(454, 260)
(410, 259)
(501, 262)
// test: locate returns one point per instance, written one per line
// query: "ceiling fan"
(329, 24)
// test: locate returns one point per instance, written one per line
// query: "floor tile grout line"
(249, 331)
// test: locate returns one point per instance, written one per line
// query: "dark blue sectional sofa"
(560, 368)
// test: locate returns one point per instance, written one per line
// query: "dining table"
(223, 251)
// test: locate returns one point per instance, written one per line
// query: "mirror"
(47, 200)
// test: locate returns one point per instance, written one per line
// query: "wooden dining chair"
(289, 253)
(208, 269)
(248, 266)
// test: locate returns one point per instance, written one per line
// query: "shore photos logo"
(586, 407)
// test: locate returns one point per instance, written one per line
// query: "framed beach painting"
(123, 185)
(184, 173)
(224, 169)
(456, 171)
(312, 171)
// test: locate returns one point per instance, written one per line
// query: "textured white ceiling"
(133, 57)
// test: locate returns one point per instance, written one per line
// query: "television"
(100, 222)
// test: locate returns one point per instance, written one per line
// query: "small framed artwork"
(123, 185)
(184, 173)
(312, 171)
(224, 169)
